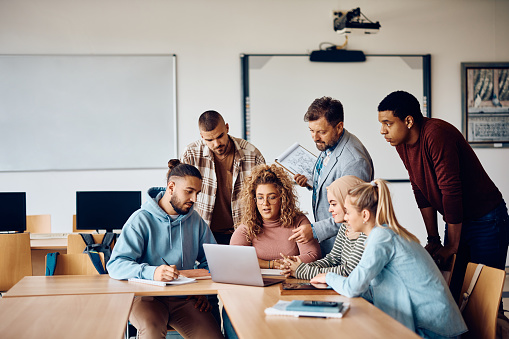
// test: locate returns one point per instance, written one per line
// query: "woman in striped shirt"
(348, 247)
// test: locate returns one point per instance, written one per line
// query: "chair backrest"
(74, 226)
(447, 273)
(76, 245)
(15, 259)
(39, 223)
(76, 264)
(480, 314)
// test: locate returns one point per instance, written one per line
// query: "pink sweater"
(274, 240)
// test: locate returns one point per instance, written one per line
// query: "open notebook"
(180, 281)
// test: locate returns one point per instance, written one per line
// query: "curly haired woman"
(269, 213)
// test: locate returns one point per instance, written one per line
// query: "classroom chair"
(15, 259)
(39, 223)
(76, 264)
(480, 313)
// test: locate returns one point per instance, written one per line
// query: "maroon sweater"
(447, 175)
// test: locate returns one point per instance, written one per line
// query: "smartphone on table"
(321, 303)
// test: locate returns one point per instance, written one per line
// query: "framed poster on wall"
(485, 103)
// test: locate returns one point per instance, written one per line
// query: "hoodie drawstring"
(169, 231)
(181, 243)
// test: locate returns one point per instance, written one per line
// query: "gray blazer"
(350, 157)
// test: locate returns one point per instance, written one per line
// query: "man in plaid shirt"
(224, 161)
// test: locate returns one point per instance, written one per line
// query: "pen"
(168, 265)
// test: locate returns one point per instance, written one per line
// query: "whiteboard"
(78, 112)
(278, 89)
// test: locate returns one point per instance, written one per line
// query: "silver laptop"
(236, 265)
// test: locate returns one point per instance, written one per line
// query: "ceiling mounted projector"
(346, 22)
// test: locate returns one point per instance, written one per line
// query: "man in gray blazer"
(341, 154)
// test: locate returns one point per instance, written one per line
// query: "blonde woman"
(396, 273)
(348, 246)
(269, 213)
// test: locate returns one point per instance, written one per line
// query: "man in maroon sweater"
(447, 177)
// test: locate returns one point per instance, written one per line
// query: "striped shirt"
(199, 155)
(342, 259)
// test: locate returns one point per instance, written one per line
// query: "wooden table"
(65, 316)
(99, 284)
(244, 304)
(246, 311)
(41, 247)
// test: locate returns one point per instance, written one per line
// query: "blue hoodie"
(149, 234)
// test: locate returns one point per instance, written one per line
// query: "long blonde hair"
(376, 198)
(265, 174)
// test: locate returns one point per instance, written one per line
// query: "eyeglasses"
(272, 200)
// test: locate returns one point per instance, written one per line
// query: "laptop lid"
(235, 265)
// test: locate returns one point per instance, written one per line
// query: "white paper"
(298, 160)
(180, 281)
(271, 271)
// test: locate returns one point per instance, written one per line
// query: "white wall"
(208, 37)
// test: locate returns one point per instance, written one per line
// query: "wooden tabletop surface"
(244, 304)
(99, 284)
(246, 311)
(65, 316)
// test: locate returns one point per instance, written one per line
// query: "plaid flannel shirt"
(199, 155)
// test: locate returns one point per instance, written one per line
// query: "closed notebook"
(281, 308)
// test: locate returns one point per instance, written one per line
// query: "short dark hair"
(178, 169)
(209, 120)
(402, 104)
(327, 107)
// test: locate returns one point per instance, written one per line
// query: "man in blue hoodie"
(167, 227)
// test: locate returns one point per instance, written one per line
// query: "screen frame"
(5, 208)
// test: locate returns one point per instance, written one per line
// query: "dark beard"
(178, 206)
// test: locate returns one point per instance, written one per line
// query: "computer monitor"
(105, 210)
(13, 213)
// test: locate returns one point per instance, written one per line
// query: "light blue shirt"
(401, 279)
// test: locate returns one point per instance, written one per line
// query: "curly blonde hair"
(265, 174)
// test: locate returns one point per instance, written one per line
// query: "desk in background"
(65, 316)
(41, 247)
